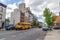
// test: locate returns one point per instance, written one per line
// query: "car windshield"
(19, 24)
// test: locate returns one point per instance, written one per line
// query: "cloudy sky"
(37, 6)
(11, 5)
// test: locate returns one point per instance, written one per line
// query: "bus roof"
(24, 23)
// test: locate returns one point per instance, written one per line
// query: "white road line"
(2, 38)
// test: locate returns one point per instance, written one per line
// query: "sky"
(37, 6)
(11, 5)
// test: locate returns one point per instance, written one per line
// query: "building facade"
(15, 17)
(2, 14)
(18, 15)
(30, 16)
(57, 21)
(40, 23)
(27, 14)
(23, 14)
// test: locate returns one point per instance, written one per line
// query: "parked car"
(6, 24)
(10, 27)
(40, 26)
(56, 27)
(45, 28)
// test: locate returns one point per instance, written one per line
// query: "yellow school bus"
(23, 25)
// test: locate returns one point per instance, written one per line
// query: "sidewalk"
(2, 29)
(53, 35)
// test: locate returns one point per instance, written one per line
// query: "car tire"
(7, 29)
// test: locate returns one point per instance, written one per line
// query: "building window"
(0, 16)
(1, 9)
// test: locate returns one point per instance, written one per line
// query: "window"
(0, 16)
(1, 9)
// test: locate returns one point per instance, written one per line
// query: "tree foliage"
(35, 23)
(49, 17)
(7, 20)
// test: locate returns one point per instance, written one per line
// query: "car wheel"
(7, 29)
(15, 29)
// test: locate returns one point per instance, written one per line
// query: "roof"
(57, 19)
(3, 5)
(24, 23)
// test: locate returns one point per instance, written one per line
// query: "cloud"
(10, 8)
(2, 0)
(20, 2)
(8, 12)
(38, 6)
(9, 0)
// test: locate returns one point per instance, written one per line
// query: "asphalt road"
(31, 34)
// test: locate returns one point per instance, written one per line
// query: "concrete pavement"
(31, 34)
(53, 35)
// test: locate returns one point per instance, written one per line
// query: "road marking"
(2, 38)
(13, 35)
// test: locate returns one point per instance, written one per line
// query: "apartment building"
(15, 16)
(23, 14)
(18, 15)
(22, 7)
(29, 15)
(26, 16)
(2, 13)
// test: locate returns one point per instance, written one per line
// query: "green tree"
(35, 23)
(53, 19)
(49, 17)
(7, 20)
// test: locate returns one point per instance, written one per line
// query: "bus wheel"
(16, 29)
